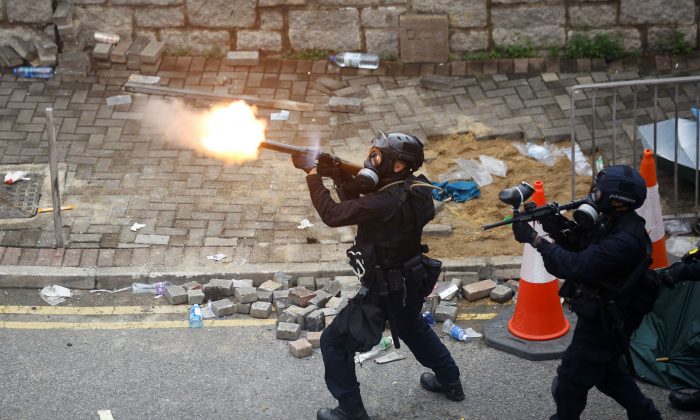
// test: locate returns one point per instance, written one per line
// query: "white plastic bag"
(494, 166)
(582, 167)
(546, 154)
(478, 173)
(454, 174)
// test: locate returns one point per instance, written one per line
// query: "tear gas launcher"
(585, 213)
(328, 165)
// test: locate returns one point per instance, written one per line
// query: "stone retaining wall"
(273, 26)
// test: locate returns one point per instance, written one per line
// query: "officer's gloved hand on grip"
(672, 274)
(304, 161)
(524, 233)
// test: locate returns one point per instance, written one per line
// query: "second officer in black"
(390, 206)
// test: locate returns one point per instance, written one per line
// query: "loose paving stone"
(224, 285)
(284, 279)
(280, 294)
(223, 307)
(513, 285)
(437, 230)
(437, 82)
(316, 321)
(302, 313)
(322, 282)
(241, 283)
(287, 316)
(270, 286)
(314, 337)
(281, 305)
(301, 348)
(211, 291)
(465, 277)
(195, 296)
(478, 290)
(119, 51)
(449, 293)
(334, 303)
(242, 58)
(133, 60)
(351, 283)
(261, 310)
(330, 83)
(347, 294)
(101, 51)
(288, 331)
(242, 308)
(300, 296)
(506, 273)
(264, 296)
(501, 294)
(333, 288)
(307, 282)
(330, 319)
(349, 105)
(152, 52)
(321, 298)
(245, 294)
(176, 295)
(445, 312)
(192, 285)
(63, 15)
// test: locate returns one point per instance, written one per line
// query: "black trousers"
(592, 360)
(412, 330)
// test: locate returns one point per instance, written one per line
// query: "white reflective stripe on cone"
(532, 268)
(651, 212)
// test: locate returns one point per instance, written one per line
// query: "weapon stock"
(323, 158)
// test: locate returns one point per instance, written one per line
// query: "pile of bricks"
(304, 303)
(38, 50)
(143, 54)
(442, 302)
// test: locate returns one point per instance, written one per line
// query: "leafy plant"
(580, 45)
(553, 51)
(673, 42)
(516, 50)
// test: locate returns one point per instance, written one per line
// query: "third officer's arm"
(616, 252)
(348, 212)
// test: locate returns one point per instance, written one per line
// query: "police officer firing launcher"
(604, 268)
(390, 206)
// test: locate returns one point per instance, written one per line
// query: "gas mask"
(586, 214)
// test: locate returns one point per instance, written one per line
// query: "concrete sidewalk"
(118, 171)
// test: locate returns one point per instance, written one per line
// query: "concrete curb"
(32, 277)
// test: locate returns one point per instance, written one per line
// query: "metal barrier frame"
(635, 84)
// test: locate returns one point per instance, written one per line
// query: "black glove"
(673, 274)
(304, 161)
(524, 233)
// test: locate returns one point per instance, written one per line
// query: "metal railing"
(593, 91)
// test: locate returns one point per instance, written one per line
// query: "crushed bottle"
(383, 344)
(429, 318)
(457, 332)
(29, 72)
(195, 316)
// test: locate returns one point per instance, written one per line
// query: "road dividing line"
(474, 317)
(18, 325)
(93, 310)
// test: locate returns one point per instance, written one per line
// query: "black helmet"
(398, 146)
(621, 183)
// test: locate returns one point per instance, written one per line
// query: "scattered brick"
(322, 282)
(101, 51)
(288, 331)
(351, 283)
(242, 58)
(246, 294)
(192, 285)
(63, 15)
(261, 310)
(223, 285)
(478, 290)
(176, 295)
(316, 321)
(152, 52)
(444, 312)
(223, 307)
(264, 296)
(211, 291)
(349, 105)
(118, 54)
(437, 230)
(307, 282)
(241, 283)
(280, 294)
(506, 273)
(195, 296)
(133, 60)
(286, 280)
(301, 348)
(501, 294)
(151, 69)
(300, 296)
(334, 303)
(465, 277)
(321, 298)
(513, 285)
(270, 286)
(333, 288)
(287, 316)
(314, 337)
(242, 308)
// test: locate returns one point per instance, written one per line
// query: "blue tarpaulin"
(458, 191)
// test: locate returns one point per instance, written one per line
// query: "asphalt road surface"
(64, 362)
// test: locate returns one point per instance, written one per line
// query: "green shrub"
(580, 45)
(672, 42)
(516, 50)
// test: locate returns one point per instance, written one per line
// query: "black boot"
(340, 414)
(685, 399)
(453, 392)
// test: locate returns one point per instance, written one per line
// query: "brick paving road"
(120, 171)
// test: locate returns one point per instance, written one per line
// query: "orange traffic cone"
(538, 313)
(651, 211)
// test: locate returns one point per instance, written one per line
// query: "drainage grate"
(21, 199)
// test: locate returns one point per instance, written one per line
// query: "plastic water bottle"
(161, 286)
(455, 331)
(383, 344)
(29, 72)
(195, 316)
(358, 60)
(429, 318)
